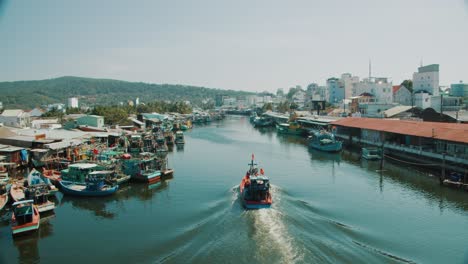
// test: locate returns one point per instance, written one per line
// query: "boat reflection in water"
(103, 206)
(28, 251)
(324, 156)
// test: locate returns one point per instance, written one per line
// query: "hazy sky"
(243, 44)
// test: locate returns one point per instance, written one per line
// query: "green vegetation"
(92, 92)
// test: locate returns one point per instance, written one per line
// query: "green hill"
(29, 94)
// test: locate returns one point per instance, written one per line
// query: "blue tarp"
(24, 155)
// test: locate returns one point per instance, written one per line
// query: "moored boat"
(39, 193)
(17, 192)
(53, 175)
(142, 169)
(92, 187)
(324, 141)
(371, 153)
(263, 122)
(25, 217)
(3, 196)
(36, 178)
(179, 138)
(255, 188)
(291, 128)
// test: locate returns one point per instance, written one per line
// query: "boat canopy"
(23, 202)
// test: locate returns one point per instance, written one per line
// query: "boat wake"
(271, 233)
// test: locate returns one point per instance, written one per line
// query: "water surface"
(327, 208)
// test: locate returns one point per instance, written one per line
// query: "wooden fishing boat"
(325, 141)
(36, 178)
(3, 196)
(17, 192)
(53, 175)
(144, 168)
(92, 187)
(179, 138)
(255, 188)
(39, 193)
(25, 217)
(263, 122)
(291, 128)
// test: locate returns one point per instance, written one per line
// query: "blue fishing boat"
(324, 141)
(255, 188)
(94, 186)
(36, 178)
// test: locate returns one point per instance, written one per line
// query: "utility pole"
(441, 105)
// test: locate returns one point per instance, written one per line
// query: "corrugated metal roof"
(396, 110)
(12, 112)
(445, 131)
(11, 149)
(63, 144)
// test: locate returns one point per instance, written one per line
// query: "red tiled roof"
(396, 88)
(445, 131)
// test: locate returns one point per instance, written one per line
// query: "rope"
(412, 163)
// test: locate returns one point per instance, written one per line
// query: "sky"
(252, 45)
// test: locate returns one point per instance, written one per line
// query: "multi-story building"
(336, 91)
(380, 88)
(73, 102)
(460, 90)
(299, 97)
(347, 81)
(427, 80)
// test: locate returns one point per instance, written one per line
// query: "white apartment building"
(347, 81)
(73, 102)
(380, 88)
(427, 80)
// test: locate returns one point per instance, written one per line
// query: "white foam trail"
(235, 194)
(271, 233)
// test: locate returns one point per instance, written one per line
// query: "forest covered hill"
(91, 92)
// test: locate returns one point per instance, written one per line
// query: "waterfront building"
(418, 140)
(73, 102)
(401, 95)
(15, 118)
(380, 88)
(426, 87)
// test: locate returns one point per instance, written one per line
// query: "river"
(327, 208)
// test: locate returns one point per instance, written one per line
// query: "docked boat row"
(91, 164)
(319, 137)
